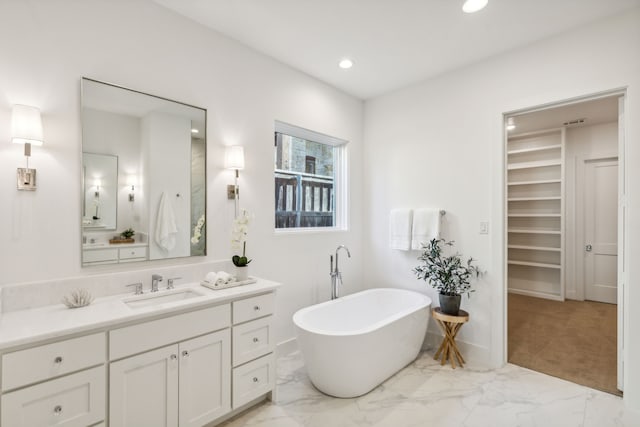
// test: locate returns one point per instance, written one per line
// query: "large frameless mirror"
(143, 176)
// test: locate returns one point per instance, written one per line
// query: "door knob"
(588, 248)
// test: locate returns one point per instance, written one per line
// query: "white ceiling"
(393, 43)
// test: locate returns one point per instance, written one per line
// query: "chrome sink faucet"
(335, 273)
(155, 279)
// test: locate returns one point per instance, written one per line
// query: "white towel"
(219, 278)
(400, 229)
(426, 226)
(166, 228)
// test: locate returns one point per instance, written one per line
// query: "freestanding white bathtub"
(352, 344)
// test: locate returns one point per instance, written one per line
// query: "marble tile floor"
(425, 394)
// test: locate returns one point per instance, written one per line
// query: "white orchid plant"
(239, 233)
(197, 230)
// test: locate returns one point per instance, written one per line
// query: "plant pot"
(242, 273)
(450, 304)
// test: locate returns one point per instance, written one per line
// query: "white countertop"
(32, 325)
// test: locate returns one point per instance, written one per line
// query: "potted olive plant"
(449, 275)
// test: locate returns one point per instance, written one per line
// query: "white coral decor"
(77, 298)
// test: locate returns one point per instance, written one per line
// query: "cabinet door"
(144, 390)
(205, 378)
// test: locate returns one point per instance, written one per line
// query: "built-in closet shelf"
(534, 149)
(532, 231)
(535, 264)
(536, 164)
(535, 214)
(543, 181)
(531, 199)
(535, 248)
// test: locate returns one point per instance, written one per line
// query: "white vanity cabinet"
(185, 384)
(253, 348)
(113, 254)
(57, 384)
(193, 368)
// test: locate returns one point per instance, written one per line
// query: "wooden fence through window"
(303, 200)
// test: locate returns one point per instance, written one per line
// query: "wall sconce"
(131, 181)
(234, 159)
(26, 128)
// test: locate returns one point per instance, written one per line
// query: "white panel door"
(601, 231)
(205, 378)
(144, 389)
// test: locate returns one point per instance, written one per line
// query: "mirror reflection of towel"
(166, 229)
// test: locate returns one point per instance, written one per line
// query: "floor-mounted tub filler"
(352, 344)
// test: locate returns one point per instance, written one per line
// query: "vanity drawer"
(253, 308)
(100, 255)
(253, 380)
(51, 360)
(74, 400)
(157, 333)
(252, 340)
(133, 253)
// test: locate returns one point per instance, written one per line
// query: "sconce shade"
(234, 157)
(26, 125)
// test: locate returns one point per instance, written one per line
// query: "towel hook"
(177, 194)
(443, 213)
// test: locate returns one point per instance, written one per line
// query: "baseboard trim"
(286, 347)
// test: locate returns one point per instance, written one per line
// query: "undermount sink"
(161, 297)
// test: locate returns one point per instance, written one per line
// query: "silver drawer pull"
(256, 308)
(185, 353)
(174, 357)
(255, 339)
(58, 360)
(255, 379)
(57, 410)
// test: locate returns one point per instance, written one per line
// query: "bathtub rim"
(424, 302)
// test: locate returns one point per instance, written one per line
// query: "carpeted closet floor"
(572, 340)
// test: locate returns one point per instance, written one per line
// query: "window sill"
(309, 230)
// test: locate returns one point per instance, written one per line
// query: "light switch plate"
(484, 227)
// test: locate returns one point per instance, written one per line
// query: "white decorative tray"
(230, 284)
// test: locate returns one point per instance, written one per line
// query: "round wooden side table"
(450, 325)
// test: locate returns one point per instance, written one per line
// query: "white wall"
(440, 144)
(581, 143)
(146, 47)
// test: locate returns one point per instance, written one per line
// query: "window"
(309, 179)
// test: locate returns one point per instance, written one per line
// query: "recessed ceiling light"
(471, 6)
(345, 64)
(194, 130)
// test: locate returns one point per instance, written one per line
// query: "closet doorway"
(564, 226)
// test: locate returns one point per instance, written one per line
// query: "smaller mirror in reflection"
(144, 176)
(100, 177)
